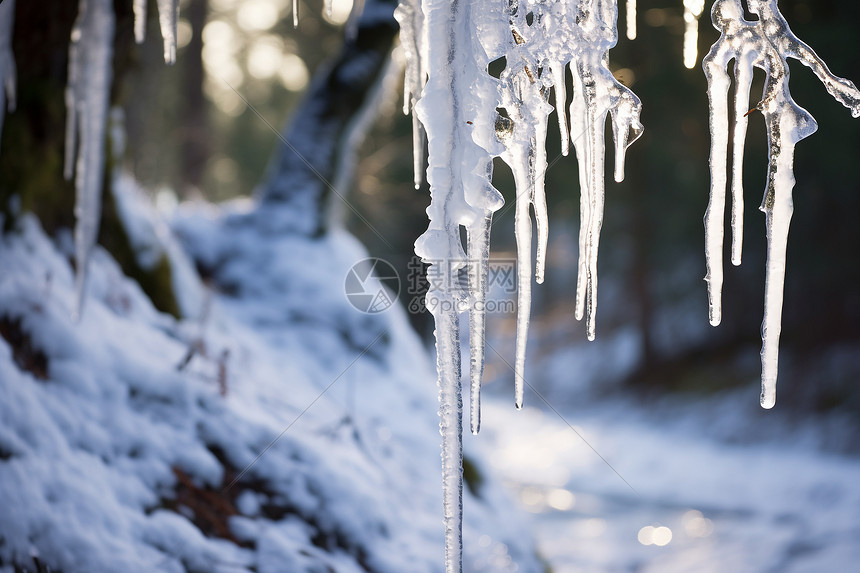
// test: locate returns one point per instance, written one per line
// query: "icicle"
(139, 8)
(478, 238)
(168, 16)
(764, 43)
(692, 11)
(295, 13)
(596, 94)
(456, 109)
(87, 100)
(631, 19)
(537, 55)
(558, 83)
(411, 20)
(7, 60)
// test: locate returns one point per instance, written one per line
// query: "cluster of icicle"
(448, 46)
(765, 43)
(87, 103)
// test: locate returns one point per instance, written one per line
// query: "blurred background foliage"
(192, 134)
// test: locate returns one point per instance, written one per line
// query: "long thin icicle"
(631, 19)
(87, 101)
(7, 60)
(765, 43)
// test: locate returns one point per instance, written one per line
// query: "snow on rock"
(87, 101)
(287, 432)
(7, 60)
(765, 43)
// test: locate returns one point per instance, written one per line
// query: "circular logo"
(372, 285)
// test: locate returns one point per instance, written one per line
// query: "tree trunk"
(315, 155)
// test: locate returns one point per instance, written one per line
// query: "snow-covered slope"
(300, 435)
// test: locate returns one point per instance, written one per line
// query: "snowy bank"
(279, 430)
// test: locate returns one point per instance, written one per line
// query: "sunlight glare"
(340, 10)
(257, 15)
(293, 73)
(265, 57)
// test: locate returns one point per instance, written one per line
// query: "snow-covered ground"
(673, 484)
(276, 430)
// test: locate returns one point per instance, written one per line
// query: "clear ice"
(87, 102)
(469, 117)
(168, 16)
(765, 43)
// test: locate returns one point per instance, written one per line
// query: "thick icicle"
(456, 109)
(764, 43)
(692, 11)
(470, 117)
(7, 60)
(87, 100)
(295, 13)
(139, 8)
(168, 16)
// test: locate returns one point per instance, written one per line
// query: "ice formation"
(412, 41)
(87, 103)
(469, 117)
(765, 43)
(692, 11)
(631, 19)
(168, 18)
(139, 8)
(87, 100)
(7, 60)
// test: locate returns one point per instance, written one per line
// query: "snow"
(765, 43)
(101, 431)
(744, 507)
(737, 487)
(7, 61)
